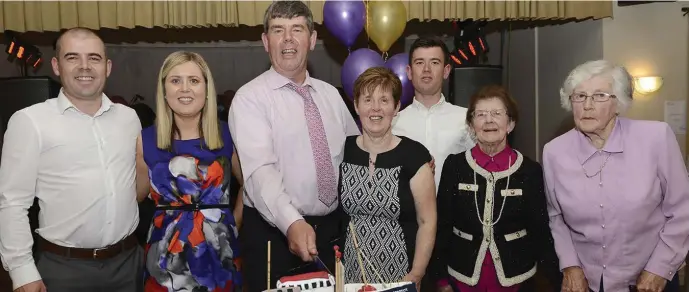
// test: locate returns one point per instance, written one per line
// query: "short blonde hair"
(622, 86)
(208, 125)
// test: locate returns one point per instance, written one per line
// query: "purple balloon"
(344, 19)
(398, 64)
(358, 62)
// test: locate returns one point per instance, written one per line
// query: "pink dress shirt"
(489, 277)
(271, 136)
(633, 218)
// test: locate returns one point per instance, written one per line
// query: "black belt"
(193, 207)
(107, 252)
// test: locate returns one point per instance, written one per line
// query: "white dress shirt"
(81, 169)
(441, 129)
(272, 138)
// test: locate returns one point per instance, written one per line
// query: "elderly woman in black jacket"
(493, 229)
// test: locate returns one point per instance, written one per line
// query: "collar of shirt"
(63, 104)
(276, 80)
(499, 162)
(419, 106)
(614, 144)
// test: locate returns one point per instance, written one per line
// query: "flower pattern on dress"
(192, 250)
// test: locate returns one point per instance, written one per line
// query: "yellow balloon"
(385, 23)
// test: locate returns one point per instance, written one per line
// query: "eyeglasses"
(597, 97)
(483, 114)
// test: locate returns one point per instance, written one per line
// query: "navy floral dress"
(192, 242)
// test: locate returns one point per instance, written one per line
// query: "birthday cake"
(325, 282)
(309, 282)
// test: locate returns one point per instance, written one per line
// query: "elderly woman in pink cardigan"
(618, 190)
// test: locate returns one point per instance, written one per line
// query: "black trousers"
(122, 273)
(254, 237)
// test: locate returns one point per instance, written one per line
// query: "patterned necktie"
(325, 172)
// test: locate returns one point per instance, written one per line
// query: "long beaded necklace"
(599, 172)
(492, 206)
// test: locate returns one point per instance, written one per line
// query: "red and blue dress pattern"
(192, 241)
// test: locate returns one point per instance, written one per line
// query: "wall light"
(647, 84)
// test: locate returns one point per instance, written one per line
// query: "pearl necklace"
(492, 205)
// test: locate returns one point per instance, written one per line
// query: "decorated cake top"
(315, 282)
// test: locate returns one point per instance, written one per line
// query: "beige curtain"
(55, 15)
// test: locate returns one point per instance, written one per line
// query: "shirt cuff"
(287, 216)
(24, 275)
(663, 270)
(568, 261)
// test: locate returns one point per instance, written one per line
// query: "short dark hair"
(288, 9)
(493, 91)
(430, 41)
(376, 77)
(74, 30)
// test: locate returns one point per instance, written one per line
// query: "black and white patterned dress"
(381, 208)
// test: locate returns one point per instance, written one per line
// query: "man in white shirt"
(76, 154)
(430, 119)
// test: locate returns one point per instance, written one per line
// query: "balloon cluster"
(384, 22)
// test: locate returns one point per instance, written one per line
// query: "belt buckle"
(96, 250)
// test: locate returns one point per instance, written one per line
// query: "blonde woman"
(184, 161)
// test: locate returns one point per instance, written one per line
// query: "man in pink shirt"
(289, 130)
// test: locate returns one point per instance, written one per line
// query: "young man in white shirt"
(76, 154)
(430, 119)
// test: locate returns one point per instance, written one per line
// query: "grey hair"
(288, 9)
(622, 86)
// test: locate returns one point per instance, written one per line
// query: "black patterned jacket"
(520, 241)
